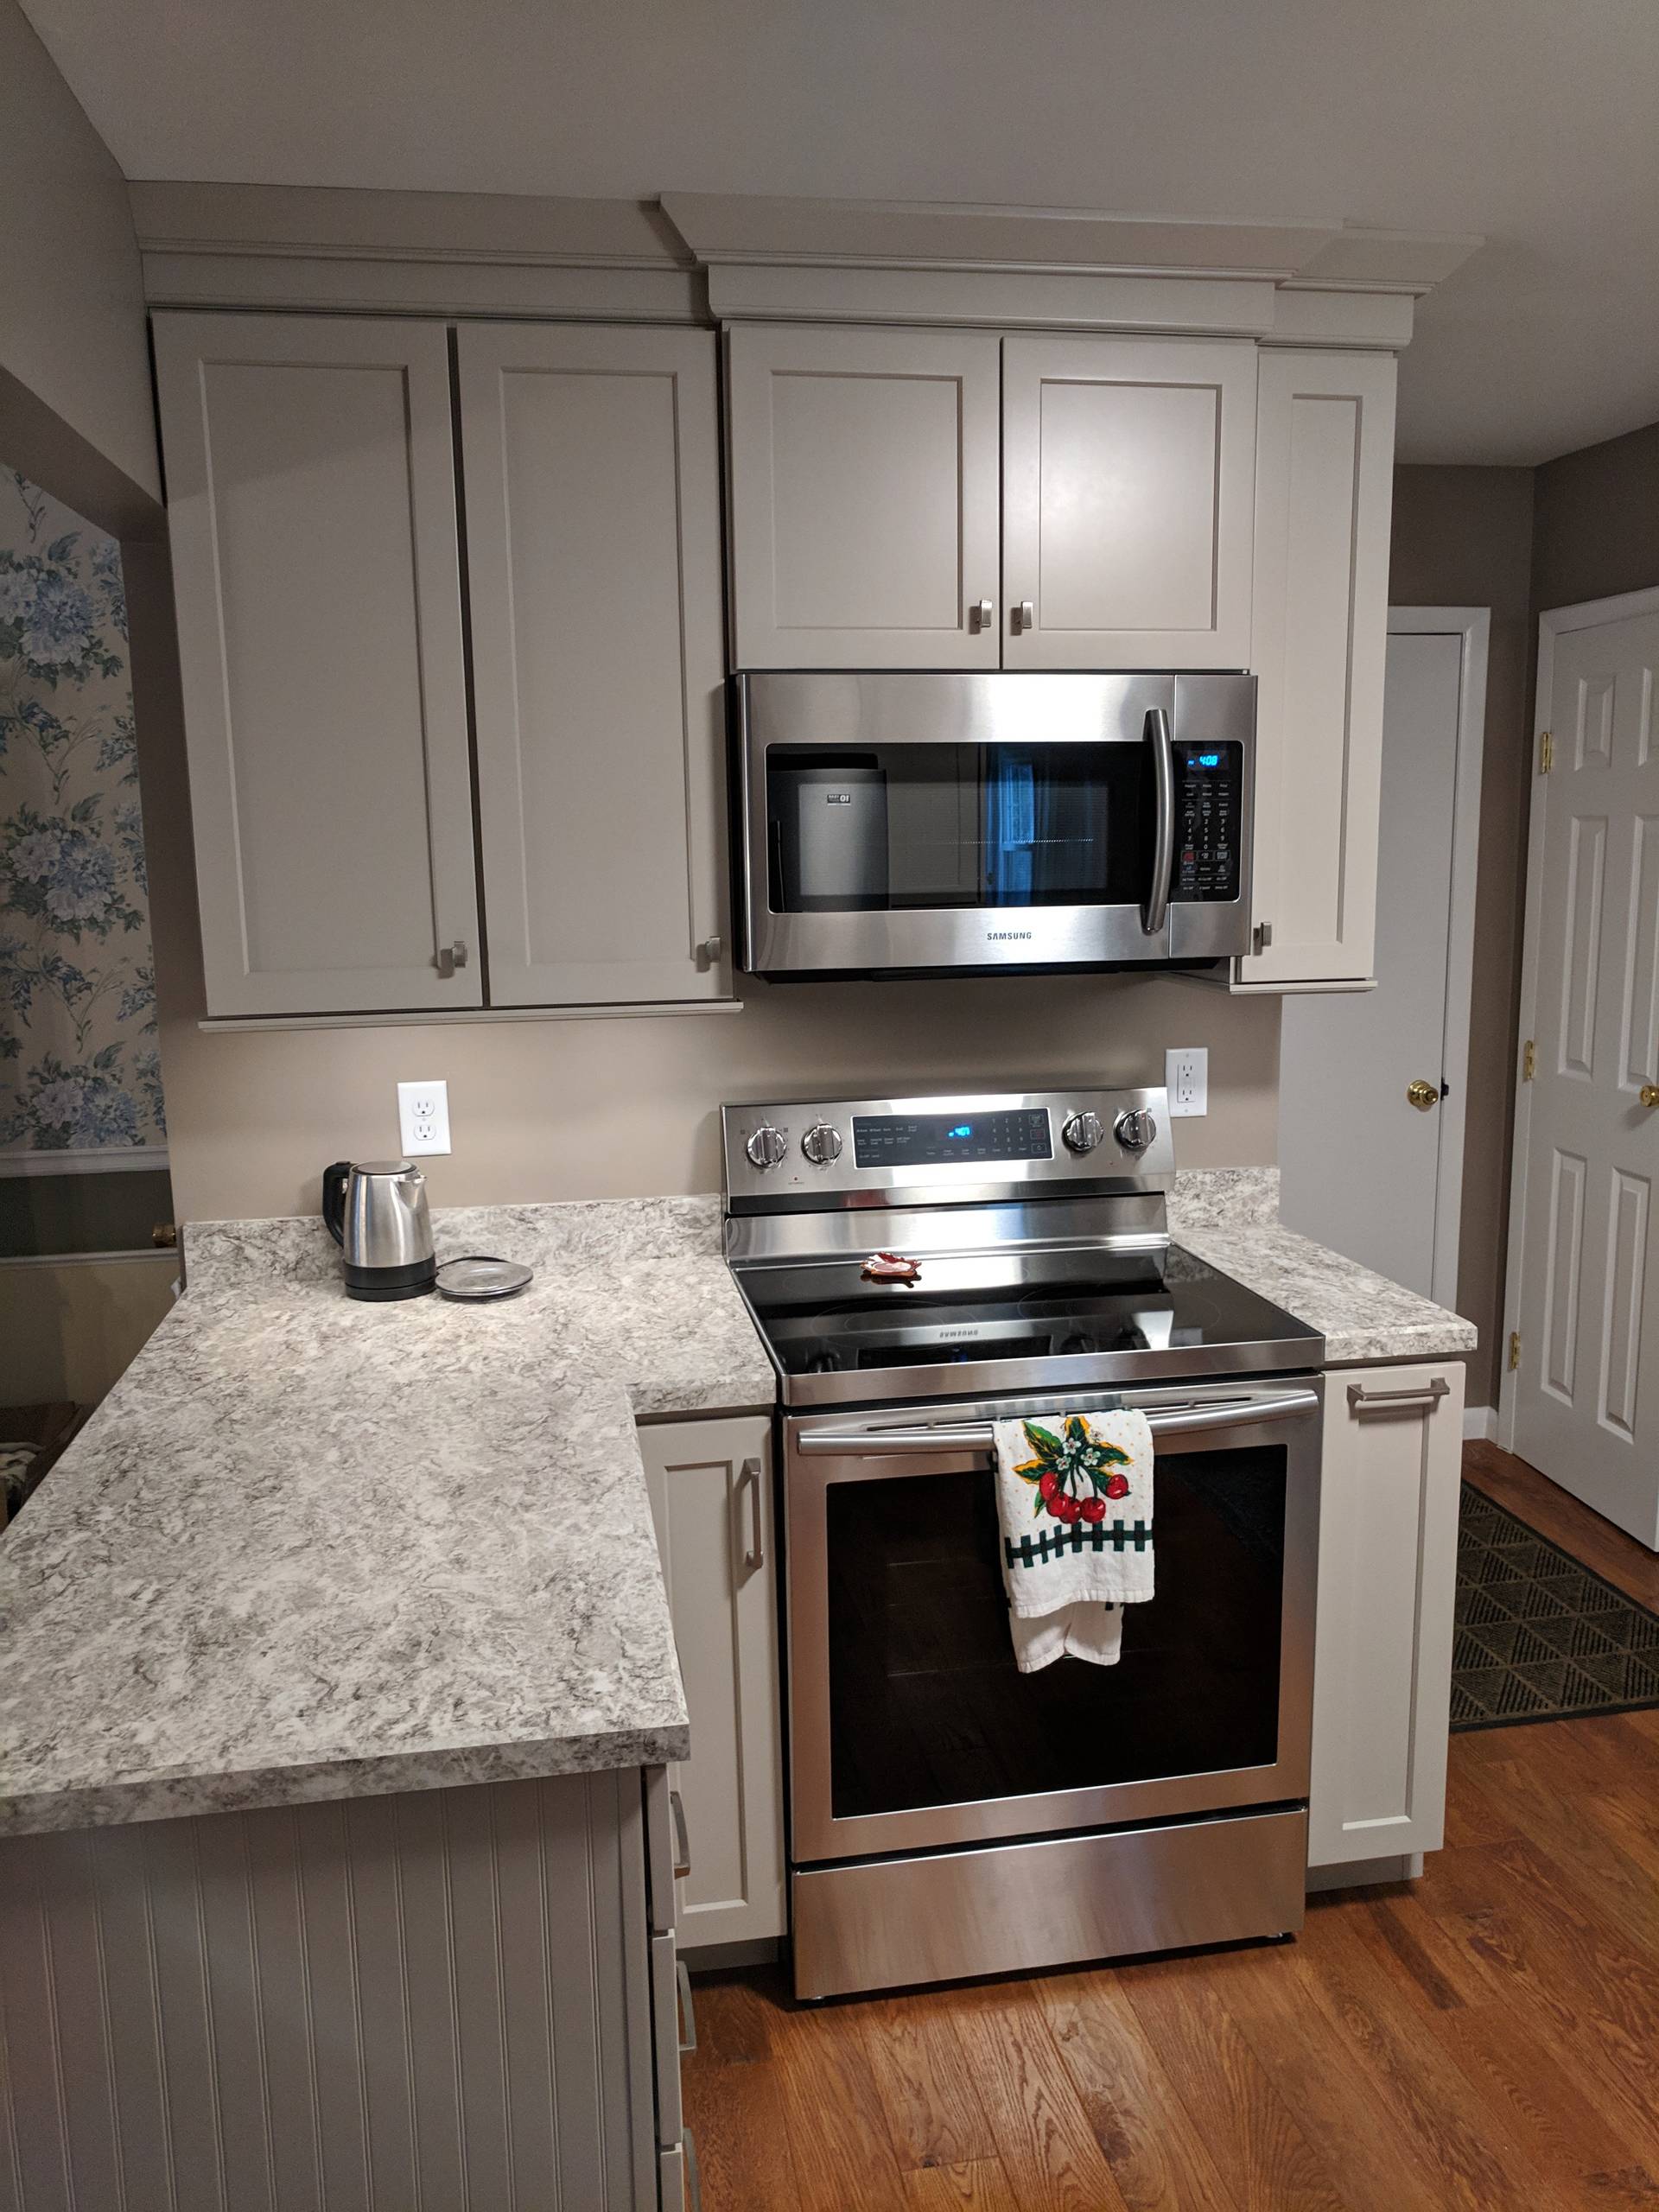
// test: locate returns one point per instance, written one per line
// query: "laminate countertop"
(311, 1548)
(314, 1547)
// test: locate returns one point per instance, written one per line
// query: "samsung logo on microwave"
(1008, 936)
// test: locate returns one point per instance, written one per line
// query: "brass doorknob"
(1423, 1095)
(1650, 1093)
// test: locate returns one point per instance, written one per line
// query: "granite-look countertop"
(314, 1547)
(1229, 1216)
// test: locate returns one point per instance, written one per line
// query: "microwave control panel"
(1209, 810)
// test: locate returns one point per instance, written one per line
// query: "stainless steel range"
(918, 1269)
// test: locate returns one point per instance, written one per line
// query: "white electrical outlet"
(1186, 1078)
(423, 1117)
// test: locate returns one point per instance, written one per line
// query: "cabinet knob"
(981, 613)
(449, 958)
(709, 952)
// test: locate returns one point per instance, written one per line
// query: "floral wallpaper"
(79, 1067)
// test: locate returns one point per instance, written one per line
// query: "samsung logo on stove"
(1008, 936)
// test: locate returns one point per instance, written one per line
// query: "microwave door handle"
(1155, 913)
(981, 1436)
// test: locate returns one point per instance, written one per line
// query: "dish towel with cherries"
(1074, 1498)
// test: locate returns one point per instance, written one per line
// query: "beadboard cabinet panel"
(592, 470)
(441, 1997)
(864, 487)
(710, 1486)
(311, 497)
(1127, 468)
(1325, 490)
(1390, 1486)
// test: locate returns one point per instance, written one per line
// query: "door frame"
(1472, 625)
(1554, 622)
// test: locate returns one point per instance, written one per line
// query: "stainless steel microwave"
(920, 822)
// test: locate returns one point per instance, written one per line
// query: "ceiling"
(1533, 121)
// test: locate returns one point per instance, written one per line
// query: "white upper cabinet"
(1324, 494)
(592, 470)
(864, 497)
(311, 495)
(1126, 469)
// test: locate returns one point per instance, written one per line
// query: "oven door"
(929, 821)
(912, 1727)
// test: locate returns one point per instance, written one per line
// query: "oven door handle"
(981, 1435)
(1156, 911)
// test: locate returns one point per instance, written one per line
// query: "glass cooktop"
(1065, 1317)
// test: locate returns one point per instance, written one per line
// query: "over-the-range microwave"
(913, 823)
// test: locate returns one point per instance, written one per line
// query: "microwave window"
(901, 826)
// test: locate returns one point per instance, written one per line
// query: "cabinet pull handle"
(981, 613)
(682, 1839)
(709, 952)
(1023, 617)
(1261, 936)
(688, 2010)
(755, 1551)
(449, 958)
(1424, 1394)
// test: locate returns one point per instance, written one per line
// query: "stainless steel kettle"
(376, 1213)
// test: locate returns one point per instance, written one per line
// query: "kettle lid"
(384, 1168)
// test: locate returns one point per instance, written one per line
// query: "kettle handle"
(334, 1199)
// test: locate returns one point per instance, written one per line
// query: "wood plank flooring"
(1486, 2037)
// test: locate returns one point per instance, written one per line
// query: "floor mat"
(1539, 1636)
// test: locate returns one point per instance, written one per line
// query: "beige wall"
(561, 1109)
(71, 313)
(1597, 529)
(1463, 537)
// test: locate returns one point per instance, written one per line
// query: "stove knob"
(1082, 1133)
(767, 1147)
(822, 1144)
(1135, 1129)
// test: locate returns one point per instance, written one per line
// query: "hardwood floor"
(1486, 2037)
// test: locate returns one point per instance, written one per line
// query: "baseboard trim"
(1480, 1424)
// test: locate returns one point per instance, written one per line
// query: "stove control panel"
(975, 1147)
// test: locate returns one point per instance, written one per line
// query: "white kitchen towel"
(1074, 1498)
(1091, 1632)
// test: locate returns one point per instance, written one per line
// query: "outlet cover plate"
(1186, 1078)
(423, 1117)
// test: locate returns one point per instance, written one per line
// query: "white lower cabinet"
(1382, 1649)
(710, 1485)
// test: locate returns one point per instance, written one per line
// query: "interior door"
(1361, 1159)
(311, 506)
(1128, 469)
(864, 497)
(1584, 1399)
(592, 519)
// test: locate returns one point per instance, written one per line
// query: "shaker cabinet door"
(710, 1487)
(1390, 1486)
(591, 460)
(311, 505)
(864, 495)
(1323, 498)
(1127, 489)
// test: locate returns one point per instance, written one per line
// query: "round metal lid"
(477, 1276)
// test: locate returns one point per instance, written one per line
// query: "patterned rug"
(1539, 1636)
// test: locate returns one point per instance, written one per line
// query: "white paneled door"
(1583, 1400)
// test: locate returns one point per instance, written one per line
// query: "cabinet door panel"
(863, 498)
(1324, 476)
(312, 511)
(1382, 1650)
(593, 518)
(1127, 487)
(710, 1485)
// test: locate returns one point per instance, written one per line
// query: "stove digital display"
(933, 1140)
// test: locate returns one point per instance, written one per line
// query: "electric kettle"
(376, 1213)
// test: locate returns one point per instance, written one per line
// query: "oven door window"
(906, 826)
(927, 1707)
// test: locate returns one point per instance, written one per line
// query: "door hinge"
(1545, 754)
(1515, 1349)
(1528, 1061)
